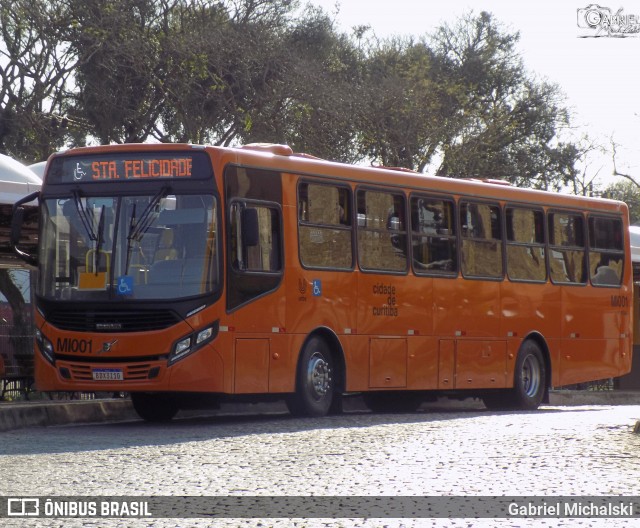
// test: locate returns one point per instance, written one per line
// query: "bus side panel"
(356, 352)
(261, 363)
(394, 305)
(224, 344)
(466, 308)
(422, 363)
(527, 308)
(260, 322)
(595, 313)
(202, 371)
(595, 320)
(555, 353)
(320, 298)
(480, 364)
(283, 360)
(316, 299)
(399, 307)
(530, 308)
(590, 359)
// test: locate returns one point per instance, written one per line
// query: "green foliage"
(458, 103)
(509, 123)
(628, 192)
(35, 71)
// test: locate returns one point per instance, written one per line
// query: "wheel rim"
(318, 376)
(530, 375)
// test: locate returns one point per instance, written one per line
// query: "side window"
(481, 250)
(525, 244)
(255, 238)
(382, 231)
(324, 223)
(433, 236)
(566, 248)
(606, 251)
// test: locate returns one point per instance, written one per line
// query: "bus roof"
(282, 158)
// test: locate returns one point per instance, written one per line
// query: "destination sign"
(137, 168)
(113, 167)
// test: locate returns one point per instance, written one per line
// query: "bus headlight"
(192, 342)
(204, 335)
(45, 347)
(182, 347)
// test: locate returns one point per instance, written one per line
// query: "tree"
(585, 181)
(458, 103)
(510, 121)
(628, 192)
(314, 104)
(412, 105)
(461, 103)
(224, 64)
(119, 74)
(36, 68)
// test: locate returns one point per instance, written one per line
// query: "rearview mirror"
(17, 222)
(250, 227)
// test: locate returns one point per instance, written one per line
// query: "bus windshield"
(160, 246)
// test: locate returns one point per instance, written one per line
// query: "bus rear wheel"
(154, 407)
(315, 384)
(529, 384)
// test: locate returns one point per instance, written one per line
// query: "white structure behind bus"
(634, 232)
(16, 181)
(38, 168)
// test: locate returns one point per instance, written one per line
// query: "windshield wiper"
(84, 216)
(99, 242)
(139, 228)
(87, 220)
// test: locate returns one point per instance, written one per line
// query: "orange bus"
(185, 274)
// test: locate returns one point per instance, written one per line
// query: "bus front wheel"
(315, 384)
(529, 384)
(154, 407)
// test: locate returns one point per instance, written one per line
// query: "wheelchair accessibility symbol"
(317, 287)
(125, 285)
(78, 172)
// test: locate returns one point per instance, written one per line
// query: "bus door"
(255, 267)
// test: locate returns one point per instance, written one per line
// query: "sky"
(568, 43)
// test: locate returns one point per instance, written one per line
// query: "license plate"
(108, 375)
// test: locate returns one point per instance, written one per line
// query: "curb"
(587, 397)
(19, 415)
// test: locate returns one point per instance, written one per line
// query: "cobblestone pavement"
(556, 451)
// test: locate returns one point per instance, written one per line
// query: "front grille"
(132, 372)
(109, 321)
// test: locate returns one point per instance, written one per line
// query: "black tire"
(529, 384)
(154, 407)
(315, 385)
(395, 401)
